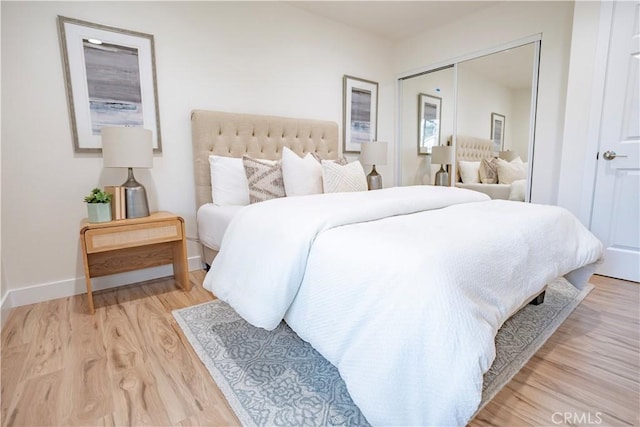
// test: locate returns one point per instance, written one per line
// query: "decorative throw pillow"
(301, 176)
(489, 171)
(338, 178)
(511, 171)
(469, 171)
(228, 181)
(264, 179)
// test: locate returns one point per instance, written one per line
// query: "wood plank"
(123, 260)
(13, 362)
(86, 383)
(46, 352)
(39, 401)
(135, 393)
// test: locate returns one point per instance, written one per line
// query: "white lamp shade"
(441, 154)
(373, 153)
(127, 147)
(507, 155)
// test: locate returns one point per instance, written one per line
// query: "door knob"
(610, 155)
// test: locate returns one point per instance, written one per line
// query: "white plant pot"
(99, 212)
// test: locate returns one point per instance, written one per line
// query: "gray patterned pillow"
(264, 178)
(489, 171)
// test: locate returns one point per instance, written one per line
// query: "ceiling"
(393, 20)
(399, 20)
(512, 68)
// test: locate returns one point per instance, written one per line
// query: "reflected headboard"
(233, 135)
(472, 149)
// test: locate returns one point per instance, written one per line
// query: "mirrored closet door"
(484, 111)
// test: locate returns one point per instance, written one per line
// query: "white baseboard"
(76, 286)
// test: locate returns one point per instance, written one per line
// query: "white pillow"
(511, 171)
(228, 181)
(302, 176)
(338, 178)
(469, 171)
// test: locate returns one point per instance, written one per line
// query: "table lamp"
(441, 154)
(373, 153)
(129, 147)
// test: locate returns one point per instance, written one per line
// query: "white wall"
(518, 141)
(505, 22)
(478, 97)
(251, 57)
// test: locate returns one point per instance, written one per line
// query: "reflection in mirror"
(493, 123)
(427, 103)
(429, 122)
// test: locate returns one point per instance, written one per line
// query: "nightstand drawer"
(127, 236)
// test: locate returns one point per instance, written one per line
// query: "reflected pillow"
(489, 171)
(228, 181)
(511, 171)
(469, 171)
(517, 190)
(338, 178)
(264, 179)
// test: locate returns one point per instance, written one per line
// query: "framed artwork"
(429, 107)
(110, 75)
(360, 113)
(497, 131)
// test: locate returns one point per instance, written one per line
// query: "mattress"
(213, 222)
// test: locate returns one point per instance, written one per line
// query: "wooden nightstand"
(131, 244)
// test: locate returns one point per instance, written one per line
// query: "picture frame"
(429, 119)
(360, 113)
(110, 77)
(497, 131)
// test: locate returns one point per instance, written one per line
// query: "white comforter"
(403, 297)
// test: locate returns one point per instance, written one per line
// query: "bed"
(402, 289)
(473, 151)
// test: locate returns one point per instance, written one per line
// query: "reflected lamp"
(129, 147)
(441, 154)
(507, 155)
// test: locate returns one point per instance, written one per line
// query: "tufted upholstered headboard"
(233, 135)
(472, 149)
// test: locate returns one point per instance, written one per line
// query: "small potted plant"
(98, 206)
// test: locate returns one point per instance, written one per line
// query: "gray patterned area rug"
(276, 378)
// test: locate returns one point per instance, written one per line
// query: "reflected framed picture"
(360, 113)
(497, 131)
(429, 107)
(110, 76)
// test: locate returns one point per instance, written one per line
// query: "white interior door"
(616, 204)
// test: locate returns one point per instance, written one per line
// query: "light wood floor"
(130, 364)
